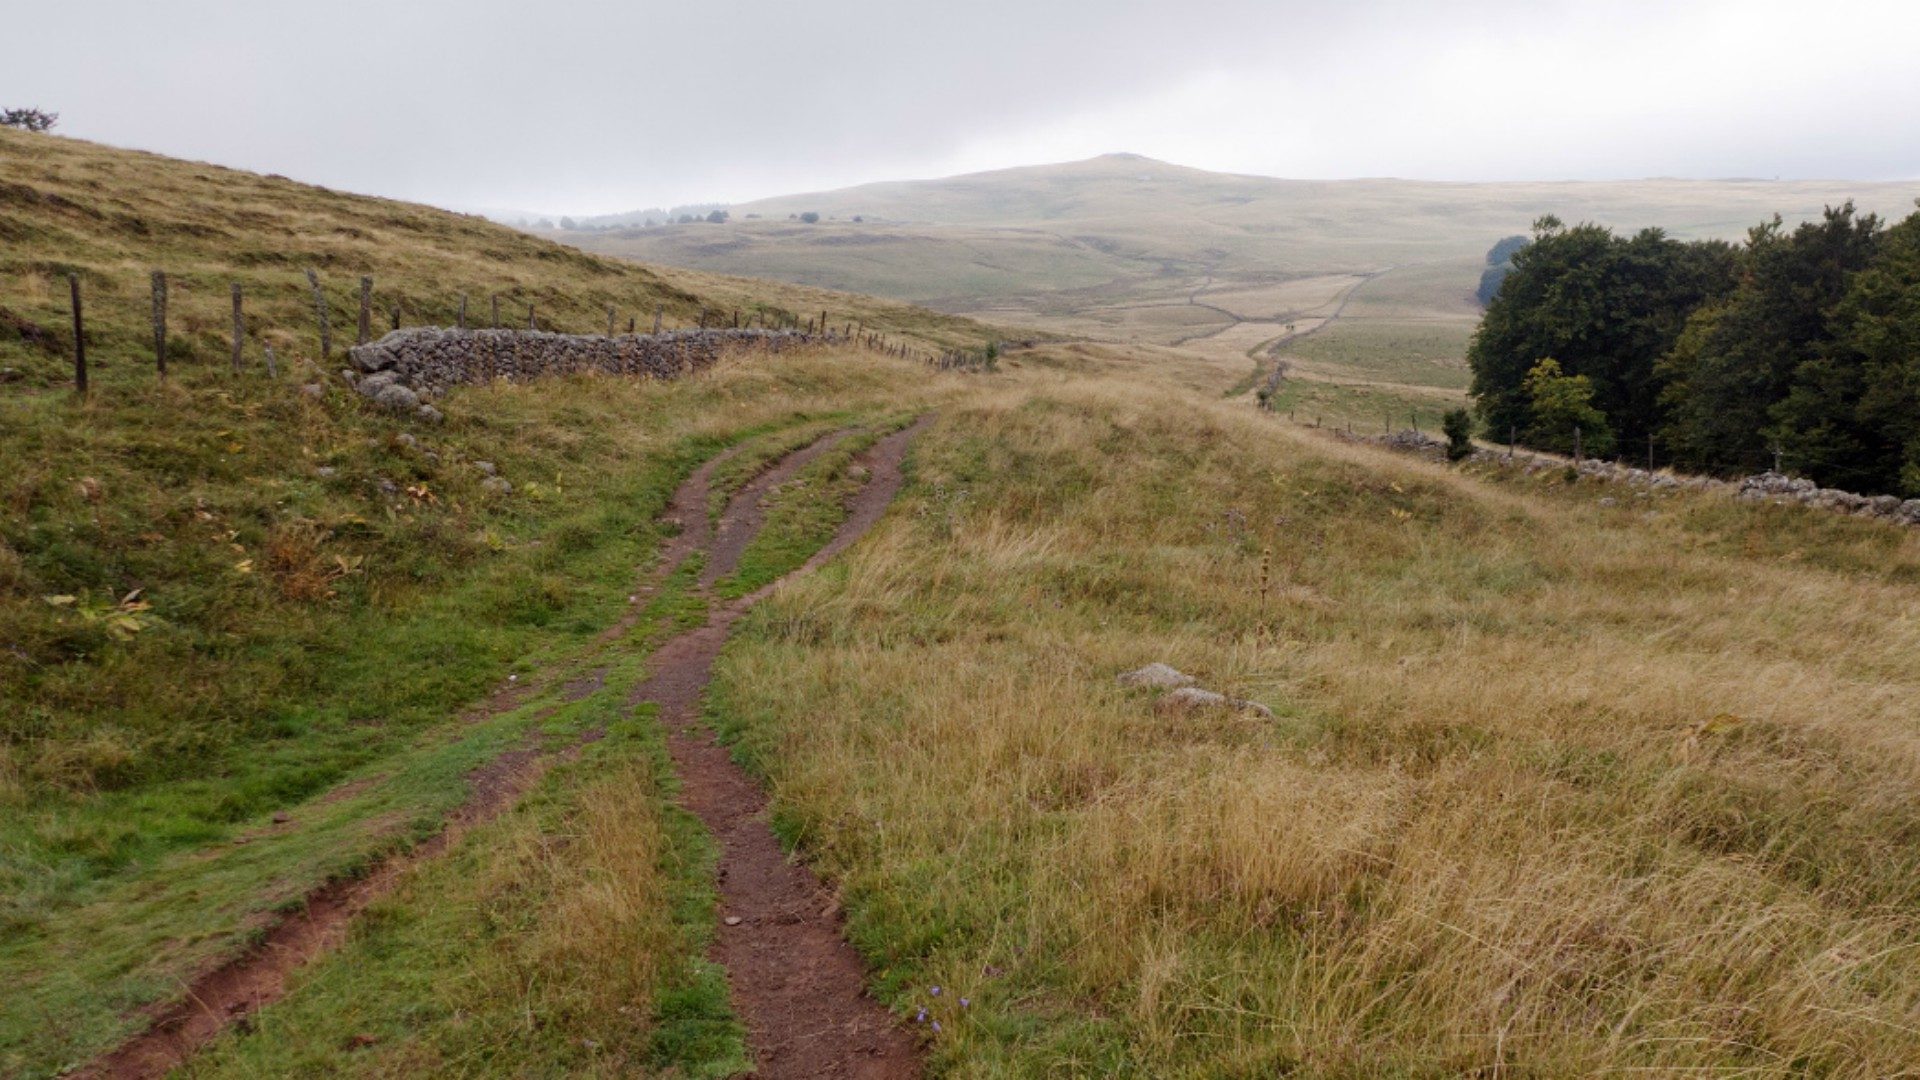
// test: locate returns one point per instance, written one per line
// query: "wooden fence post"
(366, 311)
(160, 324)
(396, 315)
(736, 318)
(320, 311)
(79, 338)
(531, 325)
(461, 322)
(610, 317)
(239, 327)
(633, 323)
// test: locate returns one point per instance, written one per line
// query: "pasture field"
(1553, 786)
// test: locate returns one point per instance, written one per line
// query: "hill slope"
(115, 215)
(1548, 777)
(1135, 218)
(249, 625)
(1364, 287)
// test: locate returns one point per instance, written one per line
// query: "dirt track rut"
(798, 986)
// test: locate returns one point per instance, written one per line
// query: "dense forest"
(1799, 348)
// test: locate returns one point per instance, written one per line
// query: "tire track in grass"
(796, 983)
(231, 992)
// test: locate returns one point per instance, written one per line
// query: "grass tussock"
(1554, 787)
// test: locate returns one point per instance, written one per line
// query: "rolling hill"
(1365, 286)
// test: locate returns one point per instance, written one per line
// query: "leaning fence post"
(366, 311)
(320, 311)
(79, 338)
(239, 327)
(160, 324)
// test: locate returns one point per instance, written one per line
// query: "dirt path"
(810, 957)
(796, 983)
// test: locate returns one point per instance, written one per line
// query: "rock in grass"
(396, 397)
(1163, 676)
(499, 485)
(429, 414)
(1188, 699)
(1192, 699)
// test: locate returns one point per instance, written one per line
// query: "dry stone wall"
(1768, 486)
(405, 368)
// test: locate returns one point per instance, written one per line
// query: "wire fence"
(392, 317)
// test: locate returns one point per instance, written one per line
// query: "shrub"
(1458, 425)
(29, 119)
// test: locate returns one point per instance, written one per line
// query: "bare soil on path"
(796, 983)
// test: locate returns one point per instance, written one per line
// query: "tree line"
(1798, 349)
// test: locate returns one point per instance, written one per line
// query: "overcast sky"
(591, 106)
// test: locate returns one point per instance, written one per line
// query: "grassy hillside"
(1021, 234)
(1561, 782)
(248, 633)
(113, 216)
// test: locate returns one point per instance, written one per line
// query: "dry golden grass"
(1556, 788)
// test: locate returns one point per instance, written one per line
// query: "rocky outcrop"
(407, 367)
